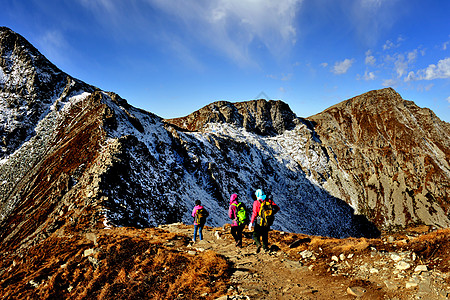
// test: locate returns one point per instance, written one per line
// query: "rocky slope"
(388, 158)
(86, 159)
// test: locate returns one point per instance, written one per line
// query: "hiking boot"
(258, 249)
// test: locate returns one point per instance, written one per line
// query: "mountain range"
(74, 158)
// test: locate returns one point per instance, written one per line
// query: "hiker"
(264, 210)
(239, 217)
(199, 213)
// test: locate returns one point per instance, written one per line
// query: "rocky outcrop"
(388, 158)
(266, 118)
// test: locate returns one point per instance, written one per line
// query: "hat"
(260, 194)
(233, 198)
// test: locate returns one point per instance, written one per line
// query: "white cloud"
(388, 45)
(324, 65)
(391, 45)
(389, 82)
(284, 77)
(445, 45)
(369, 75)
(287, 77)
(343, 66)
(448, 99)
(411, 76)
(439, 71)
(412, 56)
(401, 66)
(370, 59)
(428, 87)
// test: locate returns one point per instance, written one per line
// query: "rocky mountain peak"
(398, 151)
(376, 101)
(24, 71)
(29, 84)
(262, 117)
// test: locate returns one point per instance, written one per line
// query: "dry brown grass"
(126, 264)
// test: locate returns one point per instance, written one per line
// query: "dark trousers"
(236, 232)
(260, 232)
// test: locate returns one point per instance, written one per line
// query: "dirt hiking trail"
(271, 275)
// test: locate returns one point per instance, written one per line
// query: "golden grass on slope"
(125, 264)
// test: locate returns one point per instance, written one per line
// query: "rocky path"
(270, 275)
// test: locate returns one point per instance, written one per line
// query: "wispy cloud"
(370, 59)
(53, 44)
(342, 66)
(389, 82)
(283, 77)
(445, 45)
(374, 16)
(287, 77)
(401, 65)
(369, 75)
(233, 26)
(440, 70)
(391, 45)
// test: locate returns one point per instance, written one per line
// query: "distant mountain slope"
(393, 155)
(88, 159)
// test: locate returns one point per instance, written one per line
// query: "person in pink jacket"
(261, 232)
(198, 227)
(236, 229)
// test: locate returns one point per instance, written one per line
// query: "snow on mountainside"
(88, 159)
(175, 168)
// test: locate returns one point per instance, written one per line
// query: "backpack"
(201, 215)
(266, 213)
(241, 214)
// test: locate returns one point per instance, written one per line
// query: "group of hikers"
(263, 212)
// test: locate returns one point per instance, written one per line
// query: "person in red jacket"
(261, 232)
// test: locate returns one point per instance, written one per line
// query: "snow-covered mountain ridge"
(89, 159)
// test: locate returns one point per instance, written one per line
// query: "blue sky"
(172, 57)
